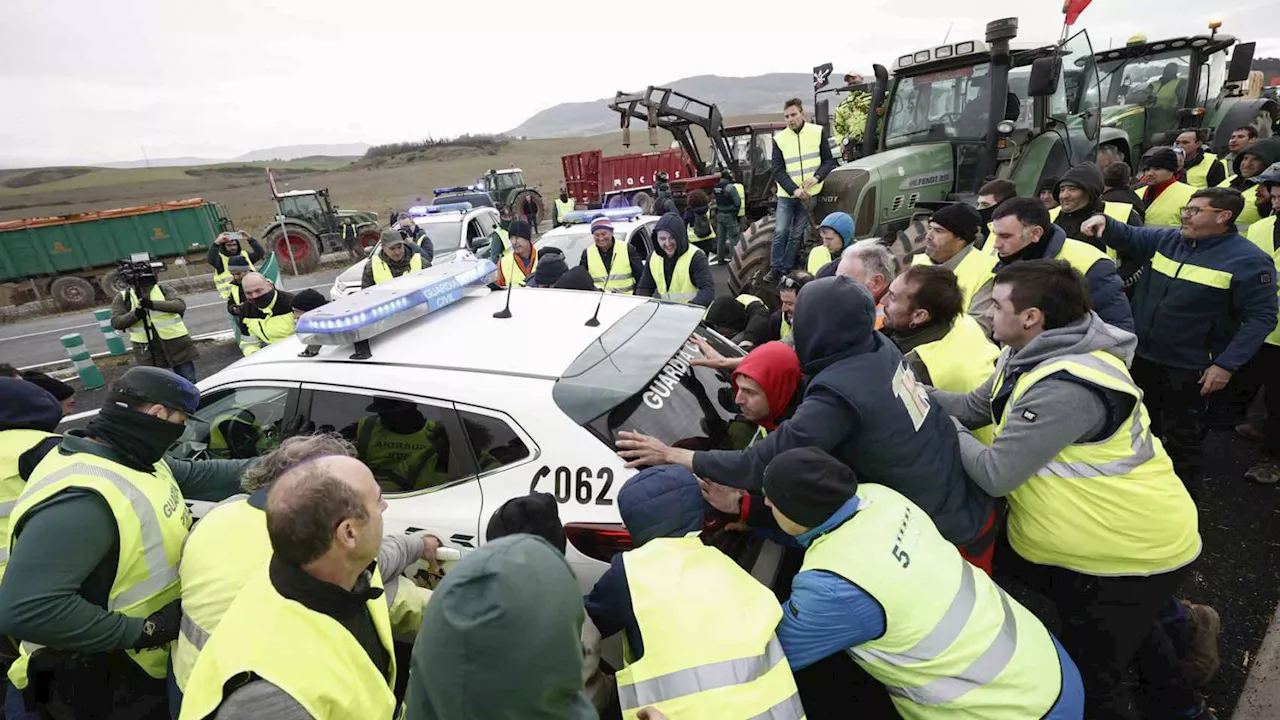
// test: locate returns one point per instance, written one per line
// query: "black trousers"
(1107, 625)
(1263, 372)
(1177, 410)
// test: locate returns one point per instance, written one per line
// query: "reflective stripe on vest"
(682, 288)
(511, 271)
(802, 153)
(1167, 208)
(961, 361)
(819, 257)
(309, 656)
(382, 271)
(700, 661)
(222, 278)
(1066, 514)
(618, 277)
(1117, 211)
(13, 443)
(951, 634)
(1263, 235)
(272, 328)
(151, 520)
(168, 326)
(1197, 274)
(1198, 174)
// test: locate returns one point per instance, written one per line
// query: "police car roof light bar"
(457, 189)
(356, 318)
(585, 216)
(423, 210)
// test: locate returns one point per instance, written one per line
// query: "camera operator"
(149, 314)
(228, 245)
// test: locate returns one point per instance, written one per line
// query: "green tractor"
(307, 224)
(954, 116)
(1151, 91)
(509, 192)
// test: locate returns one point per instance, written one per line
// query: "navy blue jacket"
(1198, 303)
(1106, 290)
(28, 406)
(851, 410)
(662, 501)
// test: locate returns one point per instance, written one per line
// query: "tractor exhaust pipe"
(999, 33)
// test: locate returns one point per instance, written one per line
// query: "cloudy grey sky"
(91, 81)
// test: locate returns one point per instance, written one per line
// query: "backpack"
(701, 225)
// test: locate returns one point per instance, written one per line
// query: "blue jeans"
(792, 217)
(186, 370)
(727, 233)
(15, 708)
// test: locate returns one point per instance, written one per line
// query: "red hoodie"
(776, 368)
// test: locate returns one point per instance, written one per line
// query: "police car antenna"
(505, 312)
(595, 319)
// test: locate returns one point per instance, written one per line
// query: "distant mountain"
(157, 162)
(733, 95)
(293, 152)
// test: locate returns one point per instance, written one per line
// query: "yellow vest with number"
(802, 152)
(975, 270)
(167, 325)
(1198, 176)
(1117, 211)
(152, 519)
(819, 257)
(511, 272)
(682, 288)
(955, 645)
(1167, 208)
(703, 659)
(1113, 507)
(1262, 233)
(12, 444)
(382, 271)
(272, 328)
(616, 278)
(308, 655)
(961, 361)
(563, 207)
(222, 279)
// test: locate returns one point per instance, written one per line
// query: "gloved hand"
(146, 303)
(161, 626)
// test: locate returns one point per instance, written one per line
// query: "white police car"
(630, 226)
(456, 231)
(457, 410)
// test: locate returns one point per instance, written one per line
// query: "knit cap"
(602, 223)
(962, 220)
(808, 486)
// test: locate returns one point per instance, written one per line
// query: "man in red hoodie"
(765, 385)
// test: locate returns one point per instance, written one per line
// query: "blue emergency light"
(377, 309)
(618, 214)
(458, 189)
(440, 209)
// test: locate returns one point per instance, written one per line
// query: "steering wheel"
(949, 119)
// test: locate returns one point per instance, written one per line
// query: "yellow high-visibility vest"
(1167, 209)
(1198, 176)
(1167, 93)
(682, 288)
(961, 361)
(12, 444)
(742, 199)
(1117, 211)
(400, 462)
(699, 660)
(1262, 233)
(382, 271)
(616, 278)
(785, 330)
(1081, 256)
(803, 154)
(152, 519)
(975, 270)
(993, 660)
(222, 278)
(819, 257)
(563, 207)
(1066, 514)
(272, 328)
(167, 325)
(307, 654)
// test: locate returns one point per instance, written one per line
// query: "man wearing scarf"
(91, 589)
(266, 316)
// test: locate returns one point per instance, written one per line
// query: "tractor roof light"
(905, 61)
(1005, 127)
(965, 48)
(1215, 22)
(921, 57)
(945, 51)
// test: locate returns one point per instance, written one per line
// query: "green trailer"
(72, 258)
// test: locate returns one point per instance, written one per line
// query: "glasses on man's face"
(1192, 210)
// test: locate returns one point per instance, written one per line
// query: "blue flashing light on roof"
(380, 308)
(440, 209)
(418, 210)
(617, 214)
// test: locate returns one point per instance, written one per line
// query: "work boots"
(1200, 652)
(1265, 472)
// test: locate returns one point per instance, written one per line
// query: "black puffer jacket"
(699, 269)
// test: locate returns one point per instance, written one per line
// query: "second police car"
(457, 411)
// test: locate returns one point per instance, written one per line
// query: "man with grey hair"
(230, 546)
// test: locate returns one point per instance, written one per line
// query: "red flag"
(1073, 8)
(271, 182)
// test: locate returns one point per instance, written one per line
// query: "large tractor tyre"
(369, 237)
(517, 206)
(750, 261)
(73, 293)
(909, 241)
(304, 245)
(644, 201)
(112, 284)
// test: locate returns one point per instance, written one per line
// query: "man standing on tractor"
(730, 204)
(226, 246)
(850, 121)
(801, 161)
(1202, 168)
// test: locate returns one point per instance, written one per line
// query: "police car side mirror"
(476, 243)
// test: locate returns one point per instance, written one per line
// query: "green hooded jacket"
(500, 639)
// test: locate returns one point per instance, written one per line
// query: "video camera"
(139, 269)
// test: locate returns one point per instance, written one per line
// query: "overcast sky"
(92, 81)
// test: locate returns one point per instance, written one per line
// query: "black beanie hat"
(53, 386)
(960, 219)
(536, 514)
(520, 228)
(1161, 159)
(551, 267)
(308, 300)
(808, 485)
(239, 263)
(726, 313)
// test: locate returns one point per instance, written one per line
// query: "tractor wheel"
(369, 238)
(1263, 122)
(72, 293)
(750, 260)
(644, 201)
(910, 241)
(302, 243)
(111, 284)
(517, 206)
(1108, 154)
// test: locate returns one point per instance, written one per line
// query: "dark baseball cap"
(162, 387)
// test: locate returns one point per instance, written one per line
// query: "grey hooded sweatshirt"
(1055, 412)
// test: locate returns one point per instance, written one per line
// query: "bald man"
(266, 315)
(310, 636)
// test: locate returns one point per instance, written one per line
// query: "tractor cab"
(501, 183)
(310, 206)
(1153, 90)
(508, 190)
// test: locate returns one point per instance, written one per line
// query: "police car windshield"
(637, 377)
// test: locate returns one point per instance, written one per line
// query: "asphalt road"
(37, 341)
